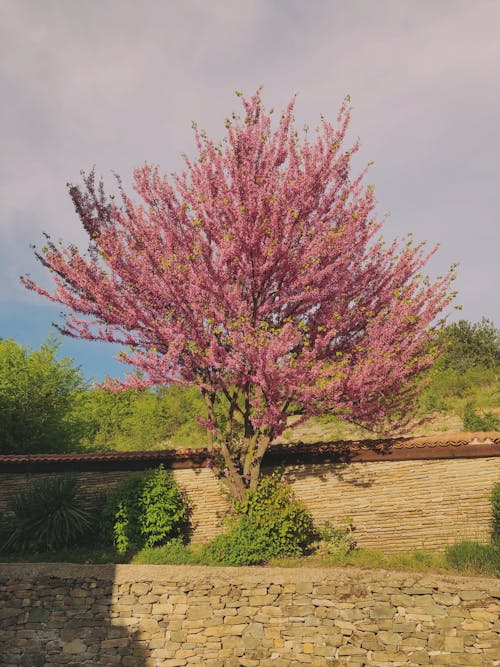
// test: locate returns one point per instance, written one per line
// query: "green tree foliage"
(479, 421)
(471, 345)
(144, 419)
(465, 377)
(39, 400)
(46, 406)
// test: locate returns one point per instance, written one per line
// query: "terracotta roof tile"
(199, 457)
(152, 455)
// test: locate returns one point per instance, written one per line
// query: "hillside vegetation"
(46, 406)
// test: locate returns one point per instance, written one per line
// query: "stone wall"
(394, 505)
(166, 616)
(207, 500)
(403, 505)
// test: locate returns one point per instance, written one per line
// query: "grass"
(417, 561)
(465, 558)
(173, 553)
(92, 555)
(474, 558)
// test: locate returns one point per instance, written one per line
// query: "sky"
(116, 83)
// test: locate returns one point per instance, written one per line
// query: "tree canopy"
(471, 344)
(256, 274)
(38, 394)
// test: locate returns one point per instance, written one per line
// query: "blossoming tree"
(257, 275)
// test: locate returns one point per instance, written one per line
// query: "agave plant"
(47, 516)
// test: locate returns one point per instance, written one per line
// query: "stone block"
(447, 599)
(391, 638)
(37, 615)
(382, 611)
(419, 658)
(348, 649)
(413, 643)
(481, 614)
(165, 653)
(388, 657)
(224, 630)
(304, 587)
(444, 659)
(472, 594)
(454, 644)
(74, 647)
(140, 588)
(261, 600)
(156, 643)
(322, 602)
(254, 630)
(113, 643)
(162, 609)
(78, 593)
(235, 620)
(471, 624)
(148, 625)
(203, 611)
(418, 590)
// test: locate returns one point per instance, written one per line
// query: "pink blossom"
(257, 275)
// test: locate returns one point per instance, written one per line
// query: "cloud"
(116, 83)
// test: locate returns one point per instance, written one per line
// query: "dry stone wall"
(403, 505)
(207, 499)
(394, 505)
(165, 616)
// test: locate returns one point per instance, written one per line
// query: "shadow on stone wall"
(173, 616)
(317, 473)
(70, 618)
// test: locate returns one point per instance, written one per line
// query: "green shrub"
(273, 509)
(495, 510)
(336, 540)
(146, 509)
(47, 516)
(174, 552)
(269, 523)
(474, 558)
(243, 544)
(475, 421)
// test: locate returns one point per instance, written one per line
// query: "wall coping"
(442, 446)
(126, 573)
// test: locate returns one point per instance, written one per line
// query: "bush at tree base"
(269, 523)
